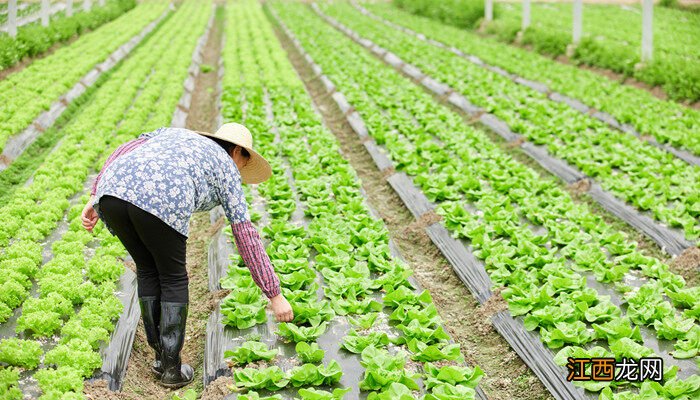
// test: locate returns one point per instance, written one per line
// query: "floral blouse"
(174, 173)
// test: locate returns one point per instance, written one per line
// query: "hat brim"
(257, 170)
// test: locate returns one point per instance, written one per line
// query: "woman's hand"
(89, 215)
(283, 311)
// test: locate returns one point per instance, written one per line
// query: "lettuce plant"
(271, 378)
(365, 321)
(9, 384)
(20, 353)
(77, 354)
(252, 395)
(451, 392)
(315, 375)
(251, 351)
(295, 333)
(355, 343)
(60, 380)
(39, 324)
(452, 375)
(315, 394)
(689, 346)
(382, 369)
(434, 352)
(309, 352)
(395, 391)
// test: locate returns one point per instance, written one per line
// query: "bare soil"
(687, 264)
(507, 377)
(139, 382)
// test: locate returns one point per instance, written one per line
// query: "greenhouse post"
(647, 30)
(12, 18)
(526, 14)
(45, 12)
(578, 21)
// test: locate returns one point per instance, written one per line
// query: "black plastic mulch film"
(471, 270)
(220, 338)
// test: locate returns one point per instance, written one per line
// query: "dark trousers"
(157, 249)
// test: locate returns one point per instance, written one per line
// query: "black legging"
(158, 250)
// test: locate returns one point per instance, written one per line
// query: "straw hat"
(257, 169)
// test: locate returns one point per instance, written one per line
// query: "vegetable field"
(450, 216)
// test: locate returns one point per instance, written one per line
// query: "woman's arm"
(252, 251)
(250, 247)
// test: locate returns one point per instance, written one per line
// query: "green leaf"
(314, 394)
(315, 375)
(20, 353)
(297, 333)
(435, 352)
(270, 378)
(251, 351)
(452, 375)
(365, 321)
(396, 391)
(251, 395)
(451, 392)
(355, 343)
(309, 352)
(673, 327)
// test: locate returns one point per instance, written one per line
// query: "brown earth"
(687, 264)
(507, 377)
(139, 382)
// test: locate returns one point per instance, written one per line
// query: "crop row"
(33, 90)
(667, 121)
(122, 106)
(612, 39)
(533, 238)
(344, 243)
(34, 39)
(653, 180)
(29, 8)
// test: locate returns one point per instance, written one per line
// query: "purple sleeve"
(251, 249)
(121, 150)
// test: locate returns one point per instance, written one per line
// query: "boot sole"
(157, 373)
(176, 385)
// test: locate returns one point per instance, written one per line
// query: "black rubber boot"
(172, 337)
(150, 313)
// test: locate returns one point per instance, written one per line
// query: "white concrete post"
(488, 10)
(87, 5)
(45, 11)
(526, 14)
(69, 7)
(647, 30)
(578, 21)
(12, 18)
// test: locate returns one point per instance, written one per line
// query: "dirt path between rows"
(139, 383)
(507, 377)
